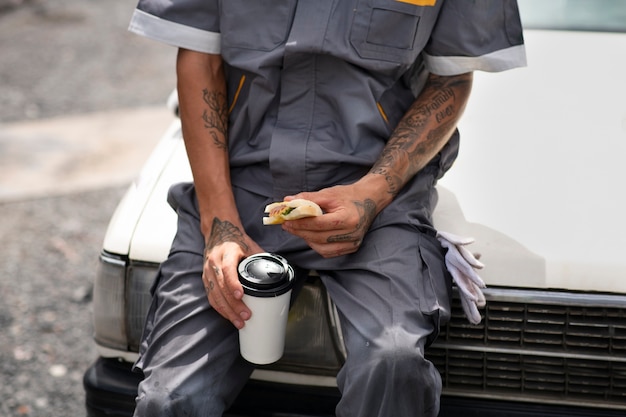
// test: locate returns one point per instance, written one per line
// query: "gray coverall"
(315, 89)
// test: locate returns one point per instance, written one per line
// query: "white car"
(540, 185)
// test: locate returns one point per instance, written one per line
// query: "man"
(352, 104)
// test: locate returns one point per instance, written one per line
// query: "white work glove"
(462, 264)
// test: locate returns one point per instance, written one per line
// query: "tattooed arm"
(423, 131)
(421, 134)
(204, 117)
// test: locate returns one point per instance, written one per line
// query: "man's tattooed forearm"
(224, 231)
(367, 212)
(383, 167)
(416, 138)
(216, 117)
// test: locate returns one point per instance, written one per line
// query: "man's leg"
(189, 354)
(391, 302)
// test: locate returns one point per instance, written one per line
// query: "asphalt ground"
(81, 106)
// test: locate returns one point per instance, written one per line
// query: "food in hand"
(299, 208)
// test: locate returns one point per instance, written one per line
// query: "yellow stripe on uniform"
(382, 112)
(419, 2)
(232, 105)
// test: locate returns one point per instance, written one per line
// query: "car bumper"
(111, 386)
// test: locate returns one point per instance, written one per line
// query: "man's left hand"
(341, 229)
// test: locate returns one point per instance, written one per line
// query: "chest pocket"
(260, 25)
(387, 30)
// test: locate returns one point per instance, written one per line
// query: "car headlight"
(312, 340)
(121, 301)
(140, 278)
(108, 303)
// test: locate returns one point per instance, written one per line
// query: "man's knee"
(397, 357)
(402, 362)
(391, 377)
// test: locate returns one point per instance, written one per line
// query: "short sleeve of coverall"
(475, 35)
(189, 24)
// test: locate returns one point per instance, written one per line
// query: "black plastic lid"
(265, 275)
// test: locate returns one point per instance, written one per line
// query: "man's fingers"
(225, 298)
(234, 293)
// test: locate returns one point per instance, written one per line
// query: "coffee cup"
(267, 280)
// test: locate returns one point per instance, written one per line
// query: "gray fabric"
(190, 354)
(392, 295)
(480, 35)
(475, 28)
(310, 76)
(199, 14)
(330, 72)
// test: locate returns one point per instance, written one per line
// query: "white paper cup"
(262, 339)
(267, 280)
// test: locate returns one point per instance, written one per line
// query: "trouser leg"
(390, 311)
(190, 354)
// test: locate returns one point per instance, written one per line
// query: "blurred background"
(81, 105)
(62, 57)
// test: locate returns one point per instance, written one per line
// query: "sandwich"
(299, 208)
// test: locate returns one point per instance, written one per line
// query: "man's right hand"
(221, 280)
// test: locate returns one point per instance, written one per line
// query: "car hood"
(540, 176)
(143, 224)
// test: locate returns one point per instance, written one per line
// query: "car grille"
(538, 346)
